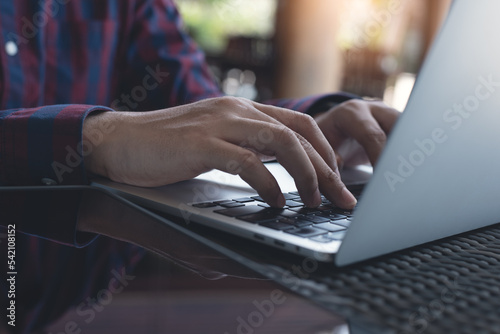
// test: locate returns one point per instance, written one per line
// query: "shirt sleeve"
(314, 104)
(44, 146)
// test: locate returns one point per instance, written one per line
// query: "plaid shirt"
(61, 60)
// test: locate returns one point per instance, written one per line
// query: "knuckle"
(305, 121)
(232, 102)
(353, 108)
(305, 144)
(376, 135)
(331, 176)
(354, 103)
(248, 160)
(285, 135)
(227, 99)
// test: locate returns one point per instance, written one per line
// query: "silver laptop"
(438, 176)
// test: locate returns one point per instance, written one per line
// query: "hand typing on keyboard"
(364, 123)
(322, 224)
(234, 135)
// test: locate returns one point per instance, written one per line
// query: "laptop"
(438, 176)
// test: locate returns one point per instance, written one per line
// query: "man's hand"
(357, 130)
(229, 134)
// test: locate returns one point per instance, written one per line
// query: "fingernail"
(348, 198)
(280, 201)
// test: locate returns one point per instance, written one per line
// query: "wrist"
(99, 129)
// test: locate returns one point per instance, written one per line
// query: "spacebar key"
(241, 211)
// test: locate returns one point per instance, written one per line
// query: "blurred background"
(263, 49)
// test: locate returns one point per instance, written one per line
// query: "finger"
(364, 128)
(385, 116)
(306, 126)
(237, 160)
(283, 143)
(330, 183)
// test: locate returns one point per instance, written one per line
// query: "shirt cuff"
(44, 145)
(314, 104)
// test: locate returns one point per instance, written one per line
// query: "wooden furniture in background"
(308, 59)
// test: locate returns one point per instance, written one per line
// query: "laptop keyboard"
(323, 224)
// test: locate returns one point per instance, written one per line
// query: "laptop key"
(204, 205)
(277, 225)
(337, 216)
(306, 232)
(293, 204)
(257, 198)
(305, 211)
(286, 220)
(331, 215)
(289, 196)
(231, 205)
(342, 222)
(330, 227)
(316, 219)
(324, 208)
(300, 222)
(258, 218)
(241, 211)
(265, 205)
(342, 211)
(223, 201)
(262, 216)
(290, 214)
(243, 200)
